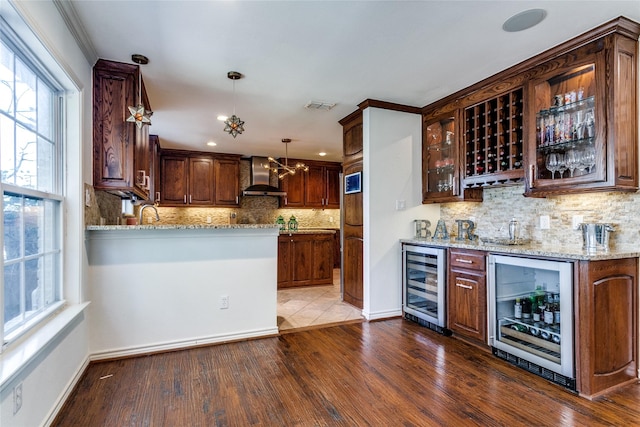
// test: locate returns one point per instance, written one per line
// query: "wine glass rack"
(494, 141)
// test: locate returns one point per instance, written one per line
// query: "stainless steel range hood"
(260, 180)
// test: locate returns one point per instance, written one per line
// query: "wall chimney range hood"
(260, 186)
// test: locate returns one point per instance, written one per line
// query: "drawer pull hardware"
(464, 261)
(460, 285)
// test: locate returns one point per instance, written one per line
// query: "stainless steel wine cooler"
(531, 315)
(423, 286)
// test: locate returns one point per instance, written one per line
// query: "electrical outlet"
(87, 198)
(17, 398)
(401, 205)
(545, 222)
(577, 220)
(224, 301)
(208, 220)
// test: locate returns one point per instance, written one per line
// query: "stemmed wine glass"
(562, 165)
(589, 158)
(572, 160)
(552, 164)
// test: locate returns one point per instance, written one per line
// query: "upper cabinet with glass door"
(582, 120)
(441, 162)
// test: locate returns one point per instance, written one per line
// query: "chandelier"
(139, 115)
(233, 125)
(284, 169)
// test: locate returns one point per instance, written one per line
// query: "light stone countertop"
(532, 249)
(178, 227)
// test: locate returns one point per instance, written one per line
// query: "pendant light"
(139, 115)
(284, 169)
(233, 125)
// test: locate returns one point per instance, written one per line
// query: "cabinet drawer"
(468, 259)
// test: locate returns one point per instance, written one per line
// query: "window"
(31, 183)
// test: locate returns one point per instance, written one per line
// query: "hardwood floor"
(386, 373)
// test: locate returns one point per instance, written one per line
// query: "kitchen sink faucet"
(143, 207)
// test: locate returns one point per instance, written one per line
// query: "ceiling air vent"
(319, 105)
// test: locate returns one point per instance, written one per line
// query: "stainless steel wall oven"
(423, 286)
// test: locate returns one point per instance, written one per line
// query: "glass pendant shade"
(139, 115)
(234, 126)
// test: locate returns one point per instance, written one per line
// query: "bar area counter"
(156, 288)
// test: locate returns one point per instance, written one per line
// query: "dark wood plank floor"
(387, 373)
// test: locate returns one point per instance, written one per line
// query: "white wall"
(154, 290)
(392, 172)
(49, 376)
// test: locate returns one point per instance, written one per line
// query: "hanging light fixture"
(139, 115)
(284, 169)
(233, 125)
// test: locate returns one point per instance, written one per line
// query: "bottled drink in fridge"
(548, 313)
(526, 308)
(556, 309)
(517, 309)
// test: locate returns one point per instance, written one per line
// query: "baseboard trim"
(182, 344)
(382, 314)
(62, 399)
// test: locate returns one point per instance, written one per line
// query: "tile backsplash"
(500, 204)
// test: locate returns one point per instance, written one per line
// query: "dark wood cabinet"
(198, 179)
(606, 325)
(227, 182)
(582, 121)
(305, 259)
(467, 294)
(121, 150)
(319, 187)
(352, 213)
(294, 185)
(582, 94)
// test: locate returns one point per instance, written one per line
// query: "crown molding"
(75, 26)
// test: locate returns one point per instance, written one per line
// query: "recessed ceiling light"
(523, 20)
(211, 144)
(222, 118)
(322, 154)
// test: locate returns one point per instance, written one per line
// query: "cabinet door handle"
(461, 285)
(157, 196)
(456, 191)
(237, 201)
(190, 199)
(185, 199)
(464, 261)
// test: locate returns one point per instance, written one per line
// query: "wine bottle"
(526, 308)
(556, 309)
(548, 312)
(534, 308)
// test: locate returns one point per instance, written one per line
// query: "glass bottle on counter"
(535, 307)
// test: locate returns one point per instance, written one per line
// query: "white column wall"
(392, 167)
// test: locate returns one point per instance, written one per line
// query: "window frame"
(55, 193)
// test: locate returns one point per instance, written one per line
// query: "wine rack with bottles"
(494, 140)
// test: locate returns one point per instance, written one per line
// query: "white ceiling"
(293, 52)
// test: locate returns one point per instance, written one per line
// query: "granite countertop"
(532, 249)
(178, 227)
(310, 231)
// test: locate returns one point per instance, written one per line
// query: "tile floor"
(314, 306)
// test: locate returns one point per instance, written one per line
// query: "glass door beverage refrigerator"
(423, 286)
(531, 315)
